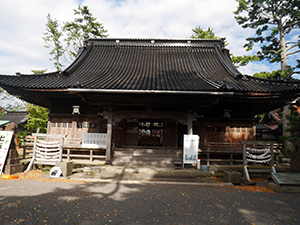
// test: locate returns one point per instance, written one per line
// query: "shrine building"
(148, 93)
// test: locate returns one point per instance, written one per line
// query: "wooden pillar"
(176, 135)
(74, 126)
(202, 130)
(190, 124)
(108, 138)
(227, 132)
(49, 127)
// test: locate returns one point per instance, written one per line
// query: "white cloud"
(23, 24)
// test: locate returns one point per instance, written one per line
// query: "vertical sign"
(5, 139)
(190, 149)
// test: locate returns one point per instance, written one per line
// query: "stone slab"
(234, 177)
(292, 179)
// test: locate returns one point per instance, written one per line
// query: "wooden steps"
(159, 157)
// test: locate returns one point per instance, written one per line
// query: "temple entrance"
(150, 133)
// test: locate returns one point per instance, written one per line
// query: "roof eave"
(115, 91)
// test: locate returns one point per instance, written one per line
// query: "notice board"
(5, 139)
(190, 149)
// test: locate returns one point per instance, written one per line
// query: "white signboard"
(5, 139)
(94, 140)
(190, 149)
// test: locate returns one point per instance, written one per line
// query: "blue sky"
(22, 26)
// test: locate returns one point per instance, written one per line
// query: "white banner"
(94, 140)
(190, 149)
(5, 139)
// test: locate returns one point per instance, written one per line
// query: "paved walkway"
(35, 202)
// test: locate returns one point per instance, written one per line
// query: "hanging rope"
(253, 156)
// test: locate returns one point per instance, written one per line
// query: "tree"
(37, 115)
(84, 26)
(276, 74)
(9, 103)
(52, 38)
(37, 118)
(39, 71)
(199, 33)
(275, 22)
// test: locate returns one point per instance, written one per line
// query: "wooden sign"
(5, 139)
(190, 149)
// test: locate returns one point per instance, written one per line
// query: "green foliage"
(83, 27)
(267, 75)
(199, 33)
(52, 39)
(21, 137)
(287, 152)
(273, 20)
(293, 126)
(243, 60)
(39, 71)
(37, 118)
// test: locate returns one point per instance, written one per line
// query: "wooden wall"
(125, 132)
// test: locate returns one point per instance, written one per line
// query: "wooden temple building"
(148, 93)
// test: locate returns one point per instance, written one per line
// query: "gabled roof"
(186, 65)
(16, 117)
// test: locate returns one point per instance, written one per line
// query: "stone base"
(66, 168)
(14, 168)
(234, 177)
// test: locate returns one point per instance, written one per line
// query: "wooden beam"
(149, 115)
(190, 124)
(108, 138)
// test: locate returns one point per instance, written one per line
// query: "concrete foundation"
(66, 168)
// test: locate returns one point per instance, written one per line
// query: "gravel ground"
(32, 201)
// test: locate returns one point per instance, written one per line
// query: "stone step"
(146, 156)
(157, 154)
(144, 163)
(147, 150)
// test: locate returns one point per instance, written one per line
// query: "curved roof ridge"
(187, 42)
(29, 75)
(230, 69)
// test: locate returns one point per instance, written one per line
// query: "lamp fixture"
(227, 114)
(76, 110)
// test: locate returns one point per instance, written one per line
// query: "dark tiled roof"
(16, 117)
(146, 64)
(262, 126)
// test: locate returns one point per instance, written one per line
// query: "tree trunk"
(283, 54)
(286, 109)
